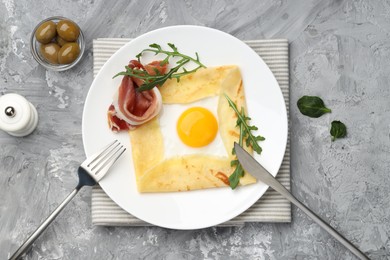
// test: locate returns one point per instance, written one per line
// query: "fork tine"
(104, 166)
(104, 157)
(91, 159)
(100, 162)
(98, 165)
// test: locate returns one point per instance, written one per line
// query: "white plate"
(195, 209)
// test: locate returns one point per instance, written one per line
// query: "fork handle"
(28, 243)
(282, 190)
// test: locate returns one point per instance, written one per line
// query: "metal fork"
(90, 172)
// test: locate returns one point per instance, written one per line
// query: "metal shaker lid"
(17, 116)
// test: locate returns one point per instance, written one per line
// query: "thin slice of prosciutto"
(152, 69)
(131, 108)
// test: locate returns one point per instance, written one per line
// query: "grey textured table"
(340, 50)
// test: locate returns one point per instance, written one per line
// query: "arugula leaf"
(234, 179)
(158, 79)
(242, 119)
(312, 106)
(338, 130)
(250, 140)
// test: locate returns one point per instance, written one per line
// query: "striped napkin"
(271, 207)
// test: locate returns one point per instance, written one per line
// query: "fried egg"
(197, 127)
(191, 128)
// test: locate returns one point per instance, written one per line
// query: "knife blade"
(256, 169)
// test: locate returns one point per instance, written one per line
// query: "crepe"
(154, 172)
(201, 84)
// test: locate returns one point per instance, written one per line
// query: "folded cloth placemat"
(271, 207)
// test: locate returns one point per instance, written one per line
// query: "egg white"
(173, 146)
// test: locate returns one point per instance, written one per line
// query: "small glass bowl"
(34, 44)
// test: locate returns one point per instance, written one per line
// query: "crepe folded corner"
(154, 172)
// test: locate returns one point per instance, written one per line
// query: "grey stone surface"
(340, 50)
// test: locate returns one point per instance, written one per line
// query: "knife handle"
(282, 190)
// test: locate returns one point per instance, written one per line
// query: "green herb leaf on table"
(152, 81)
(245, 135)
(338, 130)
(312, 106)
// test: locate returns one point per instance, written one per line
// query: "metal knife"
(253, 167)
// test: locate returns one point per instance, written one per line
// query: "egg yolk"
(197, 127)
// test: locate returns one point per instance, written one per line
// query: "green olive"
(46, 32)
(50, 52)
(60, 41)
(68, 30)
(68, 53)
